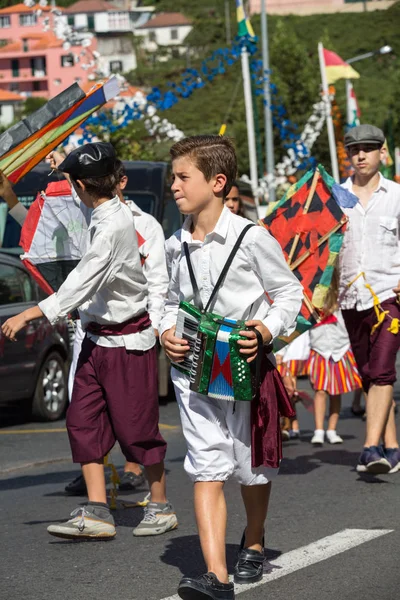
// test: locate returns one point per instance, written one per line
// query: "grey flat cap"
(364, 134)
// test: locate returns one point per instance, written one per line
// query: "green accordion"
(214, 364)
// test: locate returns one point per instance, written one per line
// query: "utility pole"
(269, 133)
(329, 121)
(251, 139)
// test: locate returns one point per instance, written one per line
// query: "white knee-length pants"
(218, 437)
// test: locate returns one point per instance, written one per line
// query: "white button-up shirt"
(108, 285)
(152, 247)
(258, 267)
(331, 340)
(371, 245)
(299, 349)
(18, 213)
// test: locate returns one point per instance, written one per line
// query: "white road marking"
(309, 555)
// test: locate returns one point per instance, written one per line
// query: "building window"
(15, 67)
(5, 22)
(174, 34)
(118, 21)
(116, 66)
(25, 46)
(38, 67)
(14, 87)
(152, 36)
(36, 86)
(71, 20)
(28, 20)
(90, 22)
(67, 60)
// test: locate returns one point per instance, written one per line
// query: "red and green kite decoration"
(309, 225)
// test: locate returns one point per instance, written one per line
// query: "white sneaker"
(285, 435)
(87, 522)
(158, 518)
(294, 434)
(318, 437)
(333, 437)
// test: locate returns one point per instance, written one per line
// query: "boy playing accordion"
(226, 438)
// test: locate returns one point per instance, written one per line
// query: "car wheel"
(51, 393)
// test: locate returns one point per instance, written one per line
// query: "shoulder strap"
(197, 299)
(228, 264)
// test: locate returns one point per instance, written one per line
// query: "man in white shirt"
(370, 274)
(115, 394)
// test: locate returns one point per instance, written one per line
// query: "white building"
(168, 30)
(113, 24)
(9, 103)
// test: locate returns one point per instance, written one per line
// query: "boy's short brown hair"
(120, 171)
(100, 187)
(212, 154)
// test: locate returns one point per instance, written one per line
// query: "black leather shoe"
(77, 487)
(205, 587)
(250, 564)
(129, 481)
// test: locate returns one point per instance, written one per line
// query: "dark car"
(34, 368)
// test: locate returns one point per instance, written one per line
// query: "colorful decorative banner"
(353, 110)
(28, 142)
(245, 28)
(309, 224)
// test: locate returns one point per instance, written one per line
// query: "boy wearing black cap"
(115, 391)
(370, 284)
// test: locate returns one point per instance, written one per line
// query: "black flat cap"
(91, 160)
(364, 134)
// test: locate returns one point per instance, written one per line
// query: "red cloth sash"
(329, 320)
(271, 403)
(134, 325)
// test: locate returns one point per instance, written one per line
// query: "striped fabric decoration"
(333, 377)
(297, 368)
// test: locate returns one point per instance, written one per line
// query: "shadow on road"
(26, 481)
(301, 465)
(184, 553)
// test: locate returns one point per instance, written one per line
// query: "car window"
(15, 285)
(172, 219)
(145, 201)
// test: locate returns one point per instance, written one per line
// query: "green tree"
(31, 104)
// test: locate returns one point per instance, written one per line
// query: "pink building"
(33, 62)
(309, 7)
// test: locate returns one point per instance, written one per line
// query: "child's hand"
(5, 186)
(175, 348)
(290, 384)
(11, 327)
(250, 346)
(55, 159)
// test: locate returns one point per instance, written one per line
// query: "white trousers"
(76, 350)
(218, 437)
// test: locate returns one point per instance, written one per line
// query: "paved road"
(318, 495)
